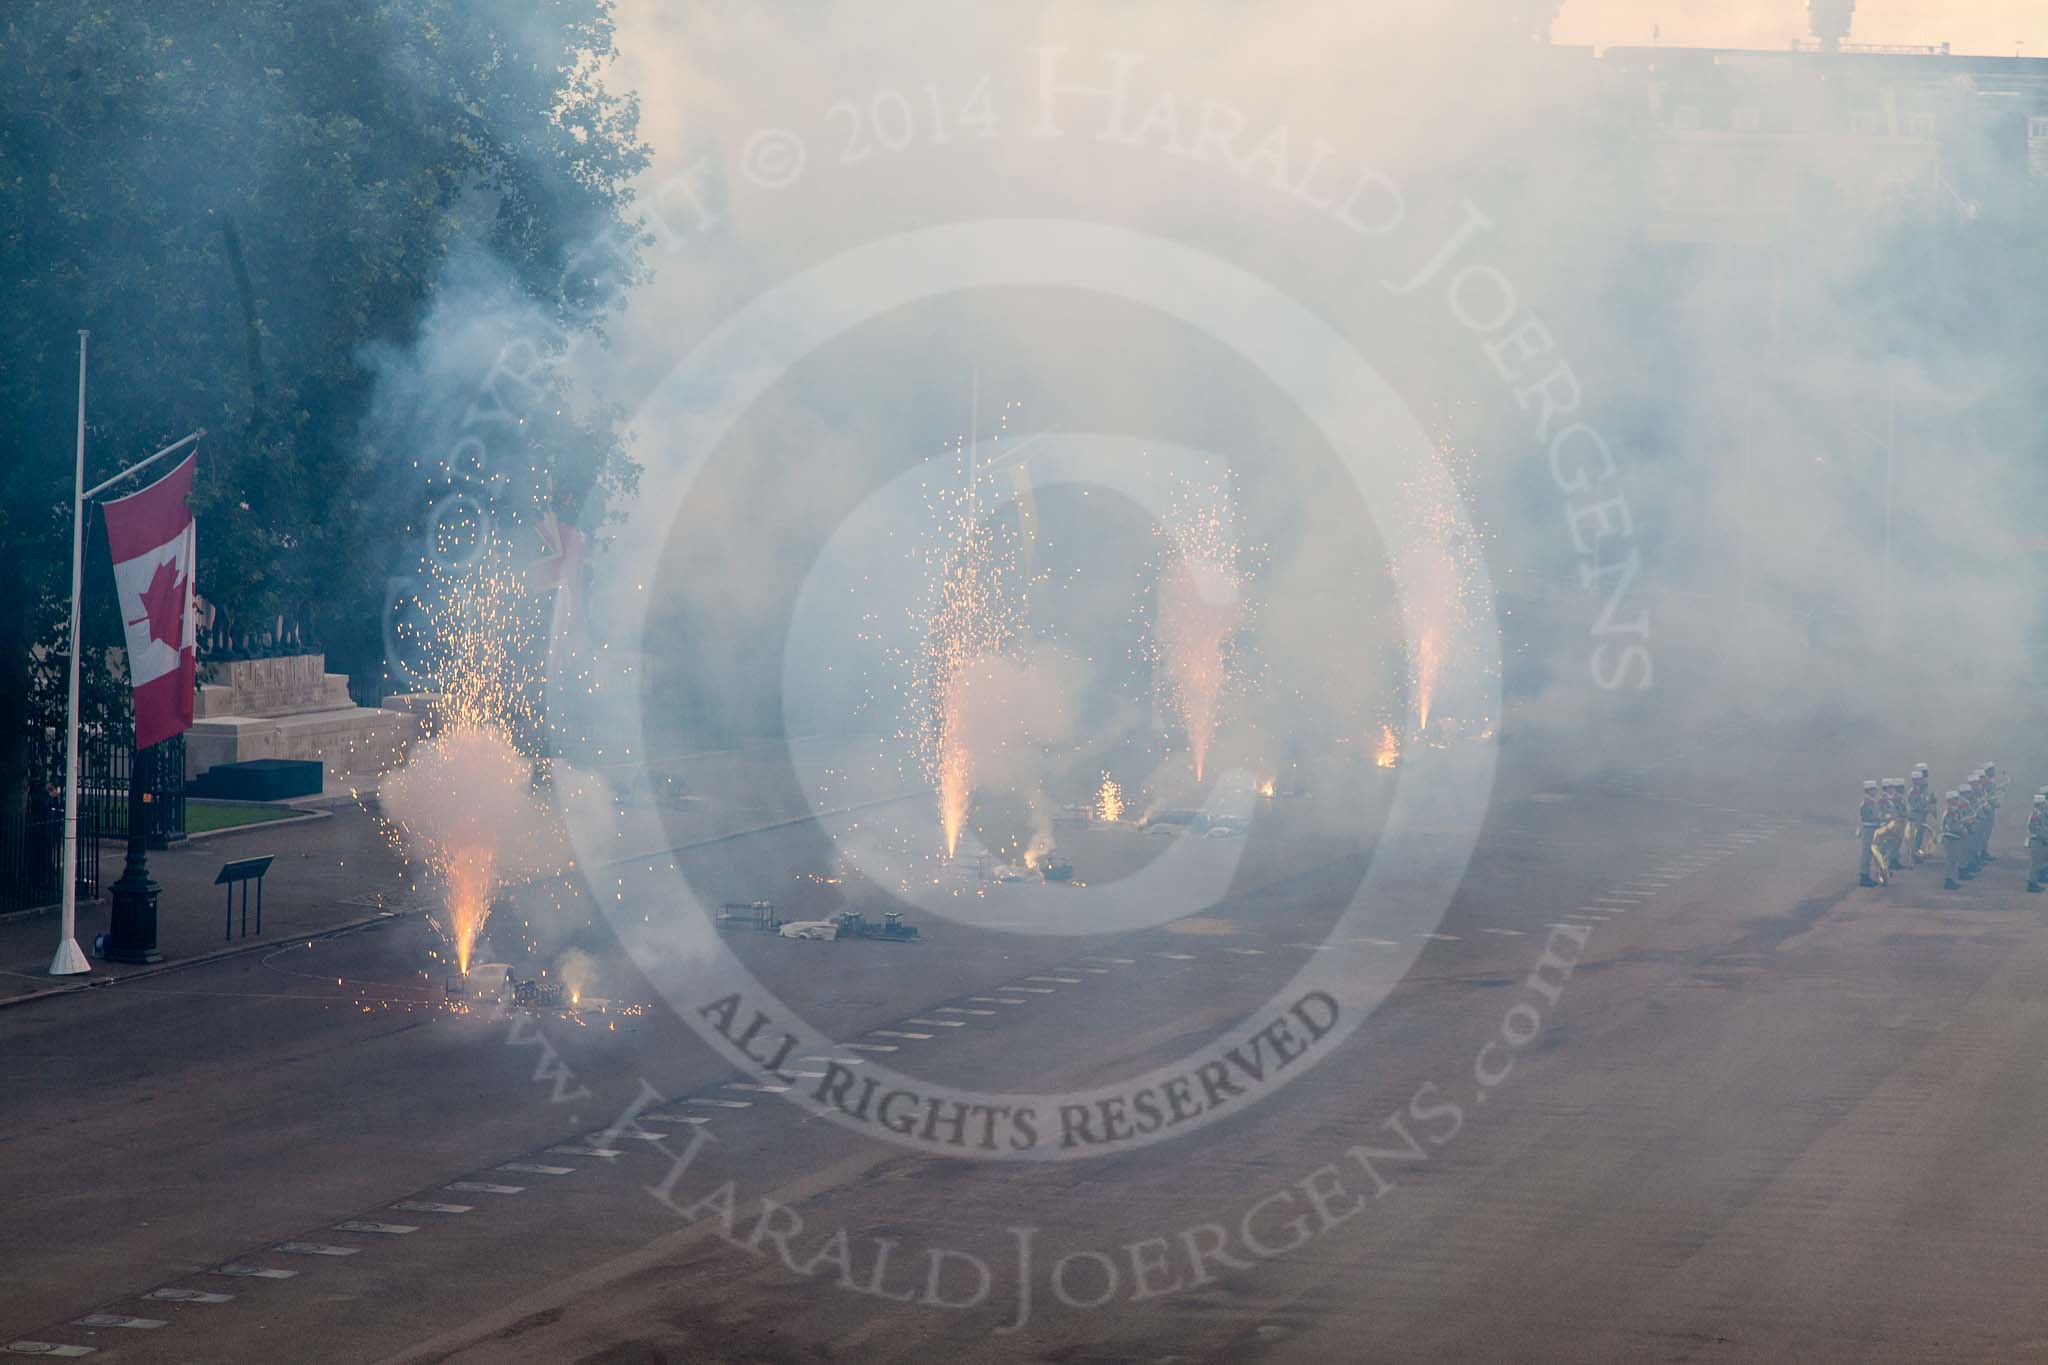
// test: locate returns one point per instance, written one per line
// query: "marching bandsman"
(1972, 821)
(1917, 800)
(1868, 818)
(2037, 843)
(1954, 826)
(1891, 809)
(1993, 789)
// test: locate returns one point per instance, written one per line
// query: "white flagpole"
(68, 960)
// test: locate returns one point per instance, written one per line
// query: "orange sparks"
(470, 880)
(1388, 753)
(1109, 801)
(1199, 596)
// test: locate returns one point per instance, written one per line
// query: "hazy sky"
(1967, 25)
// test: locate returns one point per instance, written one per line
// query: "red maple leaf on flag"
(163, 605)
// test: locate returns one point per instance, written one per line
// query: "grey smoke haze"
(1753, 397)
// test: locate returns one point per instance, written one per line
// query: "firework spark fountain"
(1388, 752)
(969, 621)
(1436, 589)
(463, 801)
(1109, 801)
(1198, 610)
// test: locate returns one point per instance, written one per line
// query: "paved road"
(1761, 1117)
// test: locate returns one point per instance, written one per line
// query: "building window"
(1745, 121)
(1922, 125)
(2037, 127)
(1686, 118)
(1863, 125)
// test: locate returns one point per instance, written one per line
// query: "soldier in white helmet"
(1954, 827)
(1891, 809)
(1993, 789)
(1918, 800)
(1868, 817)
(2037, 842)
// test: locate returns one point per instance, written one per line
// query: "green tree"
(258, 207)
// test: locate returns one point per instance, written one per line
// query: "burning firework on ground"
(1199, 607)
(462, 803)
(1109, 801)
(1436, 584)
(968, 621)
(1387, 752)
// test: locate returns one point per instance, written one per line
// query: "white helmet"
(1871, 785)
(1951, 795)
(2041, 798)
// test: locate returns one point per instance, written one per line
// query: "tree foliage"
(258, 207)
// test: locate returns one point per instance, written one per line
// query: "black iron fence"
(32, 837)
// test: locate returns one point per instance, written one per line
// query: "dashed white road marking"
(51, 1350)
(1505, 933)
(188, 1296)
(1035, 990)
(939, 1023)
(1441, 938)
(843, 1061)
(1247, 952)
(1316, 947)
(529, 1168)
(119, 1320)
(1177, 957)
(425, 1206)
(898, 1033)
(674, 1118)
(1063, 980)
(1097, 971)
(1622, 900)
(485, 1187)
(757, 1087)
(867, 1047)
(316, 1249)
(381, 1229)
(569, 1149)
(809, 1075)
(710, 1103)
(1115, 961)
(994, 1000)
(252, 1272)
(1376, 942)
(956, 1009)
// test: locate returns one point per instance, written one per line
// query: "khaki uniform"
(1870, 864)
(1917, 798)
(2037, 849)
(1955, 827)
(1891, 834)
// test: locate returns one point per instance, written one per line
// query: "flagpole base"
(69, 961)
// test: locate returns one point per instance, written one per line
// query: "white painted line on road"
(710, 1103)
(1624, 900)
(871, 1047)
(529, 1168)
(1097, 971)
(939, 1023)
(1177, 957)
(1114, 961)
(898, 1033)
(51, 1350)
(381, 1229)
(757, 1087)
(428, 1206)
(1375, 942)
(1505, 933)
(252, 1272)
(485, 1187)
(809, 1075)
(1441, 938)
(1035, 990)
(1592, 917)
(843, 1061)
(1316, 947)
(119, 1320)
(316, 1249)
(1247, 952)
(994, 1000)
(188, 1296)
(680, 1118)
(569, 1149)
(1063, 980)
(955, 1009)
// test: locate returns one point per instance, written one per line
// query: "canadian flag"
(154, 541)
